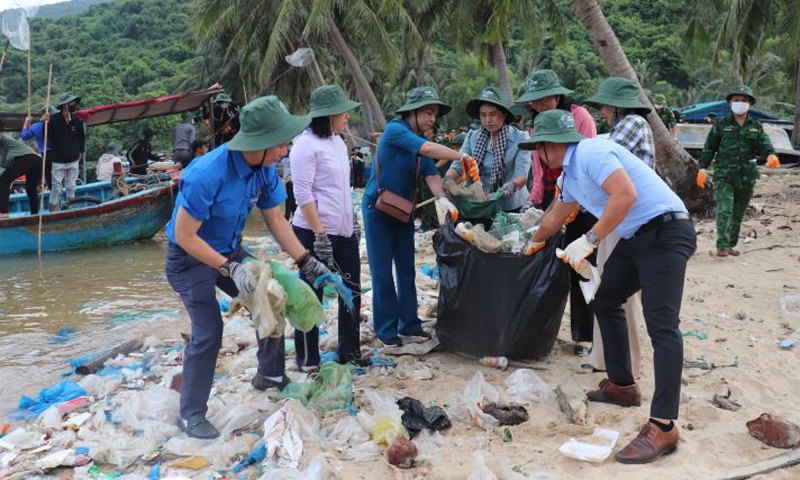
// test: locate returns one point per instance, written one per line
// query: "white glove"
(244, 280)
(576, 253)
(443, 205)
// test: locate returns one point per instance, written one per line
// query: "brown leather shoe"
(734, 253)
(650, 445)
(610, 392)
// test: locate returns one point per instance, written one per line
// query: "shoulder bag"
(391, 203)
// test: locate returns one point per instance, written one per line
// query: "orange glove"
(534, 247)
(702, 178)
(469, 165)
(773, 162)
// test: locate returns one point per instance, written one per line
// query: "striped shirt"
(634, 133)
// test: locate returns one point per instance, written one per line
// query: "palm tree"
(677, 167)
(745, 26)
(272, 29)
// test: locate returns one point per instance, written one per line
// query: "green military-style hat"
(519, 110)
(741, 90)
(618, 92)
(555, 126)
(265, 123)
(541, 84)
(492, 96)
(421, 97)
(660, 99)
(223, 97)
(186, 116)
(67, 98)
(330, 100)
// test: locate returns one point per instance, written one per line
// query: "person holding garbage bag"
(658, 238)
(325, 221)
(402, 159)
(205, 246)
(544, 92)
(502, 166)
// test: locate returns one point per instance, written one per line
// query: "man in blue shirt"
(402, 159)
(36, 130)
(658, 238)
(205, 233)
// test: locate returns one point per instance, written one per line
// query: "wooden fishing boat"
(98, 217)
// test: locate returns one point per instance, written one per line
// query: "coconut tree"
(674, 164)
(744, 27)
(272, 29)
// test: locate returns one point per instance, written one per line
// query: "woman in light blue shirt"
(503, 167)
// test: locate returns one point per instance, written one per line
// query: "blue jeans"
(394, 306)
(195, 282)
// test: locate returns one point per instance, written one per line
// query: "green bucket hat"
(492, 96)
(186, 116)
(52, 110)
(660, 99)
(421, 97)
(555, 126)
(741, 90)
(66, 98)
(618, 92)
(223, 97)
(541, 84)
(266, 123)
(330, 100)
(519, 110)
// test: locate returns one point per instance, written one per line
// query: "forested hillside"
(128, 49)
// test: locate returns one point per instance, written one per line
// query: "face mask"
(72, 108)
(740, 108)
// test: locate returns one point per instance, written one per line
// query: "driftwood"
(97, 363)
(572, 401)
(784, 460)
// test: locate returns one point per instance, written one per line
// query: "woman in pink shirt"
(325, 222)
(544, 92)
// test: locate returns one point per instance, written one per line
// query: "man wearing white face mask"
(734, 145)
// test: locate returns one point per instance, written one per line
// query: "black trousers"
(291, 203)
(29, 165)
(348, 263)
(654, 262)
(581, 314)
(358, 174)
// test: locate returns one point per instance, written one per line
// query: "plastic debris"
(58, 393)
(282, 437)
(790, 304)
(411, 348)
(506, 414)
(525, 386)
(431, 272)
(303, 309)
(191, 463)
(507, 437)
(494, 362)
(594, 449)
(385, 424)
(331, 388)
(417, 417)
(62, 336)
(266, 303)
(401, 453)
(318, 469)
(335, 280)
(696, 334)
(480, 470)
(724, 402)
(466, 407)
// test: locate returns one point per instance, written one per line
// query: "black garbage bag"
(416, 417)
(493, 304)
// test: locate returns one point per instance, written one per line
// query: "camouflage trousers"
(732, 201)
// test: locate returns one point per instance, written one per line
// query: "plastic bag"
(303, 309)
(153, 411)
(387, 417)
(524, 386)
(99, 387)
(531, 218)
(467, 406)
(347, 432)
(480, 471)
(335, 280)
(331, 389)
(318, 469)
(282, 434)
(470, 320)
(416, 417)
(60, 392)
(266, 303)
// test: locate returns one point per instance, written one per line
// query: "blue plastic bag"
(58, 393)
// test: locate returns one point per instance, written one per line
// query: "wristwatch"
(225, 269)
(592, 238)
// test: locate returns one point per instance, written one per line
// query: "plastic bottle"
(495, 362)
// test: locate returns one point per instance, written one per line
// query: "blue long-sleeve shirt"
(36, 130)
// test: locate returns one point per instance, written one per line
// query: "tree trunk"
(373, 117)
(499, 62)
(677, 167)
(796, 132)
(422, 50)
(315, 73)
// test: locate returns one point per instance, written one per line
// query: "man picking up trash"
(658, 238)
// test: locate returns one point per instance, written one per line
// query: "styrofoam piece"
(594, 449)
(78, 420)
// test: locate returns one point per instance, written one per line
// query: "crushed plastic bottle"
(495, 362)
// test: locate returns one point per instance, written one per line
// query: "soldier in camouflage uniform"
(734, 144)
(665, 114)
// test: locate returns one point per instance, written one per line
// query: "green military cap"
(492, 96)
(519, 110)
(555, 126)
(223, 98)
(618, 92)
(741, 90)
(330, 100)
(421, 97)
(660, 99)
(265, 123)
(67, 98)
(541, 84)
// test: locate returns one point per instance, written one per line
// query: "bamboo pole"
(44, 155)
(5, 51)
(30, 92)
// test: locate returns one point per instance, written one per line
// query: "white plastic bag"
(282, 434)
(524, 386)
(466, 407)
(318, 469)
(387, 417)
(480, 471)
(347, 432)
(99, 387)
(153, 411)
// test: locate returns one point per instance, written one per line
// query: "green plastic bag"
(303, 310)
(331, 389)
(472, 209)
